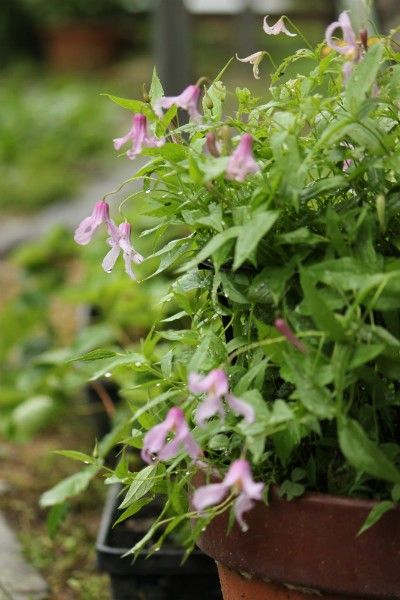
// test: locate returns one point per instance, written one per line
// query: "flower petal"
(242, 504)
(209, 495)
(208, 408)
(241, 408)
(110, 258)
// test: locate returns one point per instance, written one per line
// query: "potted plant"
(271, 397)
(79, 34)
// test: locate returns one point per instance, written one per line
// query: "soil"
(67, 561)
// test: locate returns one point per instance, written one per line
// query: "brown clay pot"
(80, 47)
(236, 587)
(310, 543)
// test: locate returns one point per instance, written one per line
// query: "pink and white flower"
(87, 227)
(216, 386)
(255, 60)
(120, 241)
(349, 46)
(187, 100)
(278, 28)
(239, 481)
(140, 137)
(157, 445)
(284, 329)
(241, 162)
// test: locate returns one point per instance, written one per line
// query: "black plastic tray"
(159, 577)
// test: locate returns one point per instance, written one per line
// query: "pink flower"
(140, 136)
(349, 47)
(254, 59)
(285, 330)
(187, 100)
(216, 386)
(86, 229)
(155, 442)
(278, 28)
(238, 480)
(120, 240)
(241, 162)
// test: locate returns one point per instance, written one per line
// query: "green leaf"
(363, 354)
(55, 518)
(316, 188)
(363, 77)
(143, 482)
(134, 360)
(94, 355)
(210, 354)
(31, 415)
(363, 453)
(313, 396)
(136, 106)
(322, 315)
(71, 486)
(291, 489)
(169, 151)
(375, 514)
(250, 235)
(134, 508)
(75, 455)
(300, 236)
(156, 88)
(216, 242)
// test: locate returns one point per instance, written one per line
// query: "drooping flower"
(278, 28)
(255, 60)
(187, 100)
(216, 386)
(284, 329)
(156, 444)
(140, 137)
(349, 46)
(241, 162)
(87, 227)
(238, 480)
(120, 241)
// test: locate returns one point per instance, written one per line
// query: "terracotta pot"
(80, 47)
(236, 587)
(310, 543)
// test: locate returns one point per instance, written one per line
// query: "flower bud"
(380, 209)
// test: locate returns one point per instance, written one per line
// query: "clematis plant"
(279, 225)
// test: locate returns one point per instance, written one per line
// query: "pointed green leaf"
(363, 453)
(251, 234)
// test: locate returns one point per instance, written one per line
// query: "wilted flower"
(278, 28)
(120, 240)
(238, 480)
(187, 100)
(140, 137)
(155, 444)
(211, 144)
(241, 162)
(86, 229)
(285, 330)
(254, 59)
(216, 386)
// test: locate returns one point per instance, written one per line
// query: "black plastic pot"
(159, 577)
